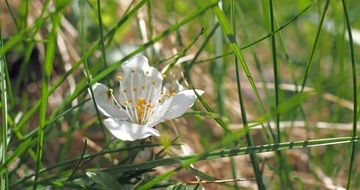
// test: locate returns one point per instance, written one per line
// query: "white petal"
(137, 62)
(140, 80)
(105, 103)
(129, 131)
(181, 102)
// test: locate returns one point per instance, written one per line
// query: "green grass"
(355, 94)
(257, 121)
(4, 114)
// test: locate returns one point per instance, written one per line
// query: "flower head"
(142, 103)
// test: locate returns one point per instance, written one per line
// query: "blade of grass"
(219, 72)
(354, 83)
(185, 161)
(309, 62)
(13, 17)
(235, 47)
(248, 35)
(218, 66)
(279, 29)
(29, 45)
(182, 53)
(88, 76)
(4, 183)
(291, 145)
(47, 70)
(275, 72)
(187, 67)
(102, 38)
(253, 157)
(150, 26)
(283, 170)
(220, 121)
(26, 14)
(204, 114)
(86, 67)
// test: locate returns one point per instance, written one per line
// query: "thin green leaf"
(354, 83)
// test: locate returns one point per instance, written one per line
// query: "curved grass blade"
(354, 81)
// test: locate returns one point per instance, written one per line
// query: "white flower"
(143, 102)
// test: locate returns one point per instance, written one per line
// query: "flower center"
(138, 96)
(142, 97)
(140, 108)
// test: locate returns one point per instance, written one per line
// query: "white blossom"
(142, 103)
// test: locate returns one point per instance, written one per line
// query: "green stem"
(253, 157)
(309, 62)
(353, 68)
(47, 70)
(4, 110)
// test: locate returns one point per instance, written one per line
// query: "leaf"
(105, 181)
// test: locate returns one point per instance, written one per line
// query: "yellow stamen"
(140, 108)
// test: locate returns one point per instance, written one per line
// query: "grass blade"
(283, 170)
(187, 160)
(354, 81)
(47, 70)
(237, 50)
(4, 111)
(249, 140)
(309, 62)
